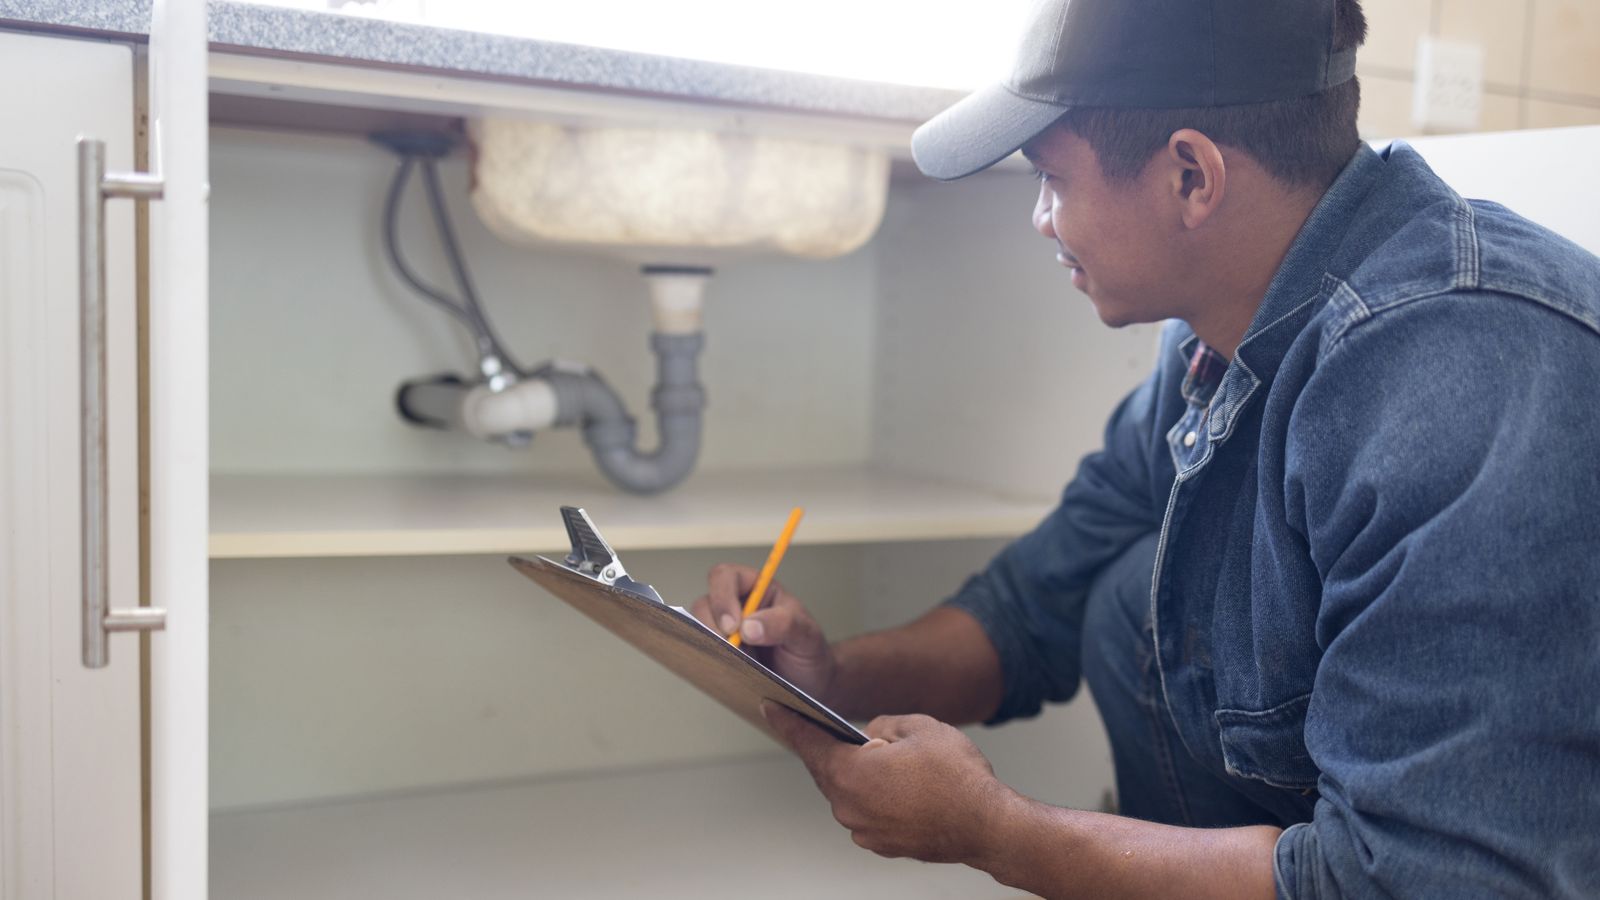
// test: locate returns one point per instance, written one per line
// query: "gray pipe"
(432, 402)
(584, 399)
(678, 399)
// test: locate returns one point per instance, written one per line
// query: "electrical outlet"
(1448, 90)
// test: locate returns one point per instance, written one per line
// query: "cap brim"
(979, 131)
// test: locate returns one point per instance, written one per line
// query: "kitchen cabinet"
(103, 488)
(394, 708)
(69, 745)
(266, 699)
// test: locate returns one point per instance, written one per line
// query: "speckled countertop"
(250, 28)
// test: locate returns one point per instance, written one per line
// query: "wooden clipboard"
(593, 581)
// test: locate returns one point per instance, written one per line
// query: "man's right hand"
(781, 633)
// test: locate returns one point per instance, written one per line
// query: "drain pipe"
(555, 395)
(677, 295)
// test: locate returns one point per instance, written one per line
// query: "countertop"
(323, 36)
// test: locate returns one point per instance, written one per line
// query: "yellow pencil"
(764, 580)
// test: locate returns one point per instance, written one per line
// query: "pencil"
(764, 580)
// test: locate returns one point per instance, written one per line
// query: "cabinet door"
(69, 736)
(72, 821)
(178, 445)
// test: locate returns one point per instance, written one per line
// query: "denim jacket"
(1376, 599)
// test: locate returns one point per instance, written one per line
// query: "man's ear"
(1199, 178)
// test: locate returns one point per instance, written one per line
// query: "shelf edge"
(464, 542)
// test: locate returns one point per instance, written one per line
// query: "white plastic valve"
(528, 405)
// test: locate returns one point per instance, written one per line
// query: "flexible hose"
(391, 245)
(468, 310)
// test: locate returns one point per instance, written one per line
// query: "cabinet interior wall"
(951, 346)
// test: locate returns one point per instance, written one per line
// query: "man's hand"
(781, 633)
(919, 788)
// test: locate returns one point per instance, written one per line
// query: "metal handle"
(94, 188)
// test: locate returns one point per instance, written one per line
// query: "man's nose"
(1041, 214)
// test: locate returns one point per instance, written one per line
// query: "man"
(1334, 580)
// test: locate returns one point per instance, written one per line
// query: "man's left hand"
(918, 788)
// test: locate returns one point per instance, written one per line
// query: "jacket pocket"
(1270, 745)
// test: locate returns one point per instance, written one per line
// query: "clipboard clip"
(594, 559)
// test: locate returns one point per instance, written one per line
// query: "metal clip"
(593, 558)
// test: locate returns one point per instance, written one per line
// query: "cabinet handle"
(94, 188)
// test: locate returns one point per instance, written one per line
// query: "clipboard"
(593, 581)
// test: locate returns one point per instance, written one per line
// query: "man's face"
(1116, 238)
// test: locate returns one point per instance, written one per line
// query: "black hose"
(391, 245)
(468, 310)
(447, 237)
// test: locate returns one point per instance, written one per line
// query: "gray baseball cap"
(1137, 53)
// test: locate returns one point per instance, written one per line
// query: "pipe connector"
(490, 413)
(678, 389)
(677, 297)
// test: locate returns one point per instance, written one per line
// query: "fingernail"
(875, 742)
(753, 630)
(729, 624)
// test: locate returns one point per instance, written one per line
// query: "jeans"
(1157, 779)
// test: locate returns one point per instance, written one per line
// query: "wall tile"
(1501, 112)
(1543, 114)
(1499, 26)
(1385, 108)
(1393, 27)
(1566, 47)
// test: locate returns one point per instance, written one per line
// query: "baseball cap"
(1137, 53)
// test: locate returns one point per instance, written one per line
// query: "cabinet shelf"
(291, 516)
(729, 829)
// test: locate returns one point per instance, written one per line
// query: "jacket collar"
(1300, 282)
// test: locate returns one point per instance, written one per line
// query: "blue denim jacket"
(1377, 594)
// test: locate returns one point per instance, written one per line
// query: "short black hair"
(1302, 142)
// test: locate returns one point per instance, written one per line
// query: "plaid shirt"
(1205, 374)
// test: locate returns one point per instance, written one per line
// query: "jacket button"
(1189, 439)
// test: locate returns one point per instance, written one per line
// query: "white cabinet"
(395, 711)
(179, 254)
(102, 767)
(368, 641)
(69, 736)
(924, 398)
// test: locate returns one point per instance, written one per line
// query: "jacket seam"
(1532, 293)
(1358, 312)
(1342, 329)
(1466, 275)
